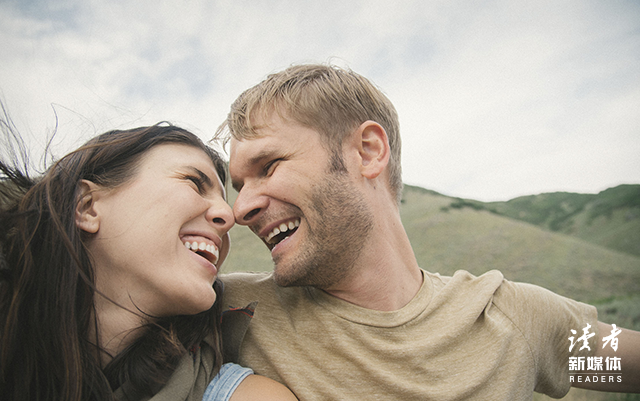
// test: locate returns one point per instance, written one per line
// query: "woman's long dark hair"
(47, 281)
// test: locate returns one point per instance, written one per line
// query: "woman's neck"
(117, 328)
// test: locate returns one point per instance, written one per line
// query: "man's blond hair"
(329, 99)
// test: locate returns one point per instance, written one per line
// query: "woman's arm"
(256, 387)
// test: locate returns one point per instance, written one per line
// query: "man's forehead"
(249, 151)
(240, 146)
(245, 156)
(244, 153)
(265, 128)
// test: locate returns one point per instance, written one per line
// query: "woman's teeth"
(284, 227)
(212, 252)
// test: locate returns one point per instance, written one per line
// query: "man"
(347, 312)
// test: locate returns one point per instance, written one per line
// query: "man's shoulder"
(528, 306)
(465, 282)
(492, 282)
(492, 288)
(246, 278)
(241, 288)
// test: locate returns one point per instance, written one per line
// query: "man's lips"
(277, 232)
(282, 228)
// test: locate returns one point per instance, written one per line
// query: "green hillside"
(610, 218)
(248, 253)
(446, 239)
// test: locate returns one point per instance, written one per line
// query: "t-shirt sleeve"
(225, 383)
(546, 320)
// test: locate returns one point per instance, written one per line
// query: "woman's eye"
(198, 182)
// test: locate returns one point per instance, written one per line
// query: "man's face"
(311, 216)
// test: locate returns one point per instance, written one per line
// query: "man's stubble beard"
(336, 234)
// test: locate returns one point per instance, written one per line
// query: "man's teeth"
(284, 227)
(203, 246)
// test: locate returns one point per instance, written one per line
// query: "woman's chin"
(195, 306)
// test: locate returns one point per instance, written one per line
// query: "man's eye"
(271, 166)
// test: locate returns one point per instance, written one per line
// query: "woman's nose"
(221, 215)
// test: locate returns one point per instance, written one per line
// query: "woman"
(108, 275)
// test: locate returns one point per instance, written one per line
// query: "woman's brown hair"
(47, 284)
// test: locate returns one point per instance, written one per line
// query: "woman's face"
(162, 235)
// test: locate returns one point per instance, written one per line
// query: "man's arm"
(629, 354)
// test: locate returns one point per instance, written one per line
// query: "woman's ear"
(87, 218)
(373, 148)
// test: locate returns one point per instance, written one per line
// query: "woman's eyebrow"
(204, 177)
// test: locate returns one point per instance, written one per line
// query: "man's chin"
(282, 277)
(288, 275)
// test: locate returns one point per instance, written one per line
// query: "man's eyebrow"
(250, 163)
(259, 157)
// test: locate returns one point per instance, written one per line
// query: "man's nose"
(249, 206)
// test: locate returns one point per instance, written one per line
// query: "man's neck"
(376, 295)
(386, 276)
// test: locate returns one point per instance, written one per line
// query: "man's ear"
(373, 147)
(87, 218)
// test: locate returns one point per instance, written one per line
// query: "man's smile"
(280, 232)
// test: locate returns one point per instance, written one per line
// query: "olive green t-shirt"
(188, 383)
(460, 338)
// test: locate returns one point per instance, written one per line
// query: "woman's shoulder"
(237, 383)
(255, 387)
(225, 383)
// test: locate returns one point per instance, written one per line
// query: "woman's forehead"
(178, 154)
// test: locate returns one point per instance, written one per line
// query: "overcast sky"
(497, 99)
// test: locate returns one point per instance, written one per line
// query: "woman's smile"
(174, 190)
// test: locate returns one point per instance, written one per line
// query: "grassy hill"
(610, 218)
(446, 239)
